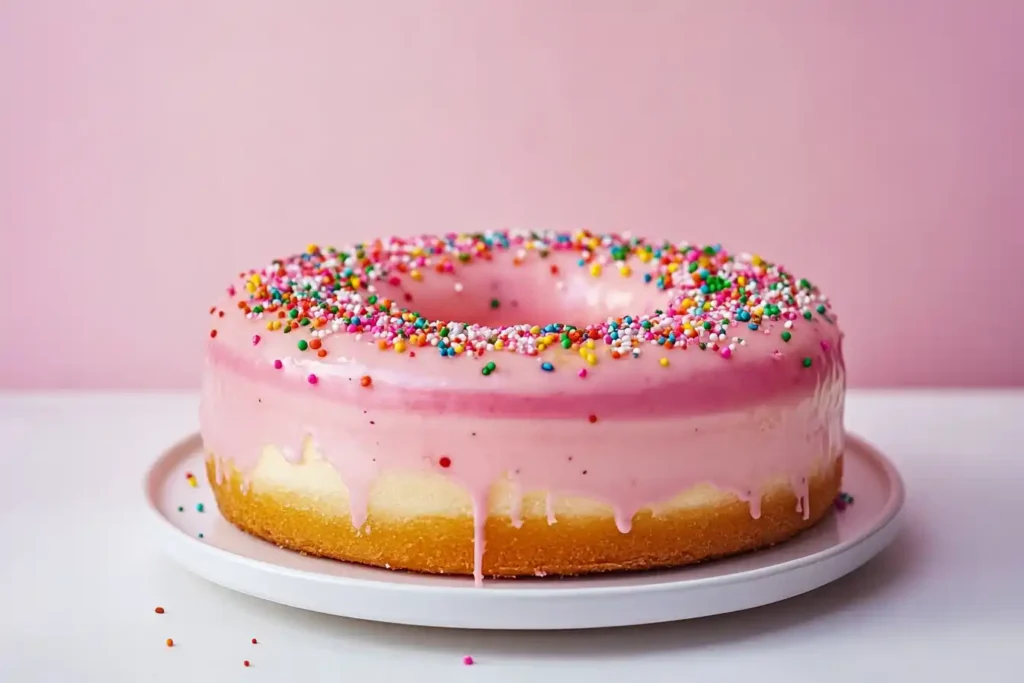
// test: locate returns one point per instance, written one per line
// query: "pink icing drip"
(549, 508)
(614, 461)
(479, 540)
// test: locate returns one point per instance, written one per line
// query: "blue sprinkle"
(200, 534)
(743, 316)
(752, 326)
(648, 277)
(704, 289)
(547, 367)
(199, 507)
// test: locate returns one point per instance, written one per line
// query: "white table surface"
(79, 580)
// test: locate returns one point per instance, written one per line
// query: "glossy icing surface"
(654, 379)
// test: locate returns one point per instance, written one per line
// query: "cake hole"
(498, 293)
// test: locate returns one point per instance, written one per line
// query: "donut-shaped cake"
(523, 403)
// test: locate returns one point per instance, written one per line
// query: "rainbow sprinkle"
(712, 298)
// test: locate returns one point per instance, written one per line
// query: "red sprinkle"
(253, 641)
(593, 419)
(213, 333)
(159, 610)
(445, 461)
(245, 663)
(365, 380)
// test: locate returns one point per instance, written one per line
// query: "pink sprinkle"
(467, 660)
(278, 365)
(312, 379)
(825, 346)
(231, 291)
(255, 339)
(582, 373)
(726, 352)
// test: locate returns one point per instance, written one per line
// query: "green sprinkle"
(821, 308)
(199, 507)
(181, 509)
(303, 345)
(293, 314)
(786, 336)
(807, 314)
(488, 369)
(495, 303)
(807, 362)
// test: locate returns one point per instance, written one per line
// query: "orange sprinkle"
(321, 353)
(315, 344)
(170, 642)
(365, 380)
(159, 610)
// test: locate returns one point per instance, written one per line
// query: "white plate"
(836, 546)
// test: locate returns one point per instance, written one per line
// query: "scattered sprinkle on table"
(253, 641)
(468, 661)
(200, 507)
(170, 642)
(159, 610)
(245, 663)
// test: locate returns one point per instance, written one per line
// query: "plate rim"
(562, 587)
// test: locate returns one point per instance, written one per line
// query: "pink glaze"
(626, 463)
(738, 421)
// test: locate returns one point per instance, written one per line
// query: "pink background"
(148, 150)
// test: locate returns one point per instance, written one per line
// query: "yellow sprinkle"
(255, 279)
(354, 281)
(591, 359)
(664, 362)
(645, 256)
(192, 482)
(250, 287)
(583, 352)
(741, 281)
(595, 269)
(535, 330)
(416, 275)
(312, 248)
(688, 303)
(399, 345)
(591, 344)
(541, 346)
(756, 260)
(707, 306)
(459, 348)
(626, 271)
(673, 267)
(499, 345)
